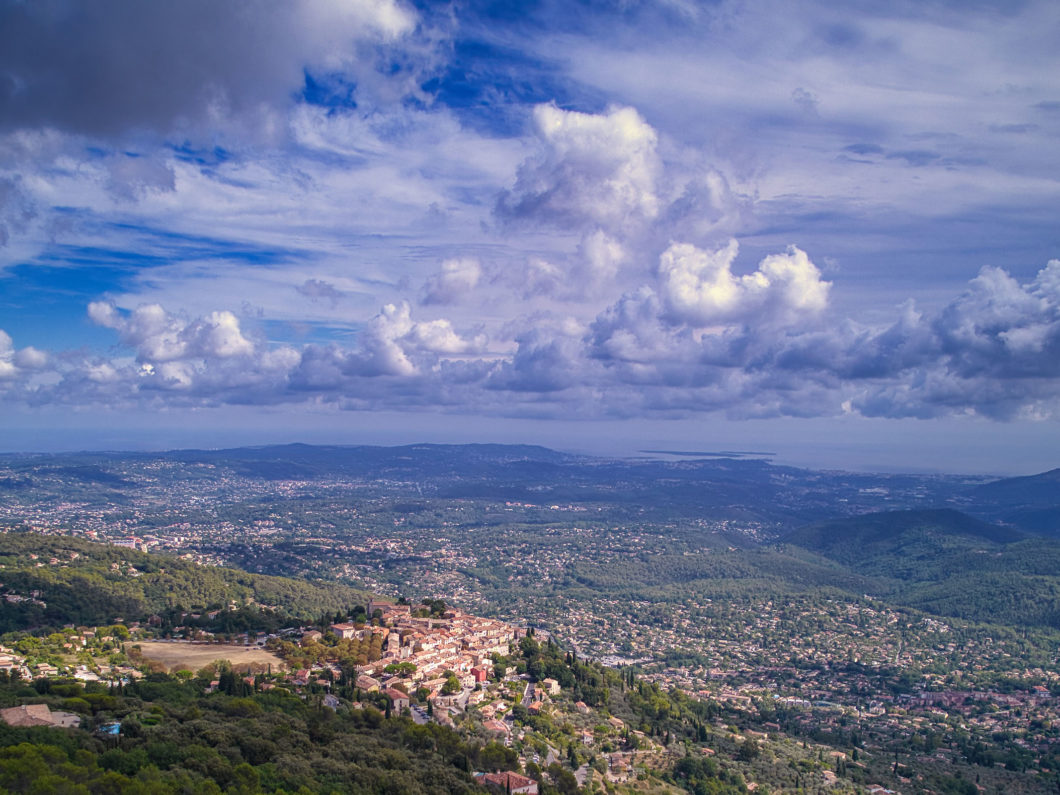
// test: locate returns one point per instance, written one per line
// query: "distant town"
(777, 646)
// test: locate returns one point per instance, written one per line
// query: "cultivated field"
(194, 656)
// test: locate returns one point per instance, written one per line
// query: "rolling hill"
(947, 563)
(80, 582)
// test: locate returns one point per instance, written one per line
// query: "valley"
(911, 620)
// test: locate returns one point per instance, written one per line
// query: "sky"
(825, 230)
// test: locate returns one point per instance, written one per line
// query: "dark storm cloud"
(103, 67)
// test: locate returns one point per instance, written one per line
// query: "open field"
(193, 656)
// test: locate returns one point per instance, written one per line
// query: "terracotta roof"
(37, 715)
(27, 715)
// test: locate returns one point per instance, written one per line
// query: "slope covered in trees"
(872, 543)
(947, 563)
(175, 736)
(80, 582)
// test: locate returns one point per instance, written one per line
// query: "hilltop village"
(440, 664)
(543, 710)
(427, 645)
(429, 662)
(658, 637)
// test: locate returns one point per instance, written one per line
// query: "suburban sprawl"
(709, 625)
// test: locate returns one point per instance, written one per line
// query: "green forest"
(93, 584)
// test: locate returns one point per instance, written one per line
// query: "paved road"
(419, 715)
(461, 700)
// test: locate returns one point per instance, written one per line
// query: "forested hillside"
(947, 563)
(60, 580)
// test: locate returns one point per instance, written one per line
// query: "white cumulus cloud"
(393, 343)
(699, 288)
(597, 169)
(159, 336)
(453, 282)
(7, 355)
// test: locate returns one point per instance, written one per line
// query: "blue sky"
(826, 230)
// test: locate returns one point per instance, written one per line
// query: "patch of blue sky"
(580, 17)
(491, 86)
(43, 277)
(205, 156)
(96, 257)
(494, 11)
(41, 304)
(332, 90)
(167, 246)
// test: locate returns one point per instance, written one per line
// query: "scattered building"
(508, 782)
(39, 715)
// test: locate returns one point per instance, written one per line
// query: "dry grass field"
(194, 656)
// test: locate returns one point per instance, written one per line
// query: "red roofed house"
(344, 630)
(398, 699)
(368, 683)
(497, 727)
(38, 715)
(508, 782)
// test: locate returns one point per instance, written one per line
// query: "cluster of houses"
(12, 664)
(17, 666)
(418, 653)
(14, 598)
(433, 647)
